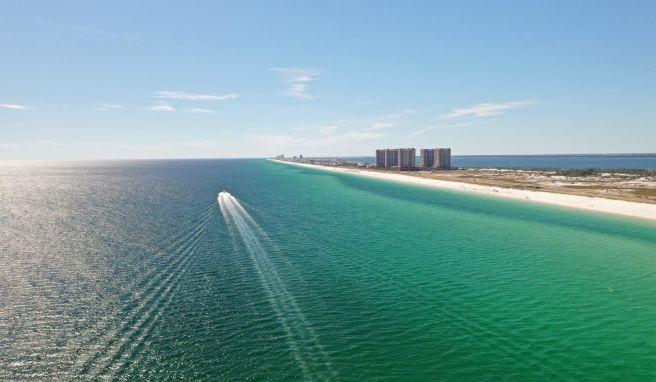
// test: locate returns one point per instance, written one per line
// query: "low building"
(426, 158)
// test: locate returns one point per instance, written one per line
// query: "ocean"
(139, 270)
(577, 161)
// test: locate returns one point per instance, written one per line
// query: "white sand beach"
(611, 206)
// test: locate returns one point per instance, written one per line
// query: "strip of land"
(598, 204)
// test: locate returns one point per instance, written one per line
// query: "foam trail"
(303, 341)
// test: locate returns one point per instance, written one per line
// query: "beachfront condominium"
(380, 158)
(443, 158)
(426, 158)
(402, 159)
(391, 158)
(407, 159)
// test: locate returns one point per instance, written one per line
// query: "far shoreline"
(609, 206)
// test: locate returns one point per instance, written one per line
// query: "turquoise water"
(132, 270)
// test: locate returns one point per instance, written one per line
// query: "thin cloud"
(288, 141)
(10, 145)
(298, 91)
(327, 130)
(194, 97)
(297, 79)
(401, 114)
(198, 110)
(112, 106)
(278, 140)
(419, 132)
(449, 125)
(167, 108)
(108, 107)
(380, 126)
(13, 106)
(485, 109)
(377, 123)
(387, 121)
(350, 136)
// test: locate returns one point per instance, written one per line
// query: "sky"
(207, 79)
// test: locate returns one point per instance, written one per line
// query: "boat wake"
(303, 341)
(118, 345)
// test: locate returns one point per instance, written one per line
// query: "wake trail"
(302, 339)
(111, 343)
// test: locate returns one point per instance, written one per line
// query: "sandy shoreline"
(611, 206)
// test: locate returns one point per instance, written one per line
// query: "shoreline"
(609, 206)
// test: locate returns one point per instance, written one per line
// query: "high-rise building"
(407, 159)
(426, 158)
(380, 158)
(391, 158)
(443, 158)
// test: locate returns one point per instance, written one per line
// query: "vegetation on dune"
(582, 172)
(577, 172)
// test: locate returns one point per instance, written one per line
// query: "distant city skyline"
(126, 80)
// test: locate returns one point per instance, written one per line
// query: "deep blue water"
(610, 161)
(641, 161)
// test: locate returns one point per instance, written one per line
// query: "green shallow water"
(129, 270)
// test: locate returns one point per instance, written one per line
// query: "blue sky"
(155, 79)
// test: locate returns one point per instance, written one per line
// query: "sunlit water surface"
(138, 270)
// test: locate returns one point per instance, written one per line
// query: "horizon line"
(306, 157)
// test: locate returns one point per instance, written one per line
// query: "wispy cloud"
(377, 123)
(108, 107)
(328, 129)
(340, 134)
(289, 141)
(194, 97)
(336, 134)
(350, 136)
(299, 91)
(198, 110)
(282, 141)
(398, 115)
(387, 121)
(485, 109)
(419, 132)
(380, 126)
(449, 125)
(297, 79)
(13, 106)
(162, 108)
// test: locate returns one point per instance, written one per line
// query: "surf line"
(303, 341)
